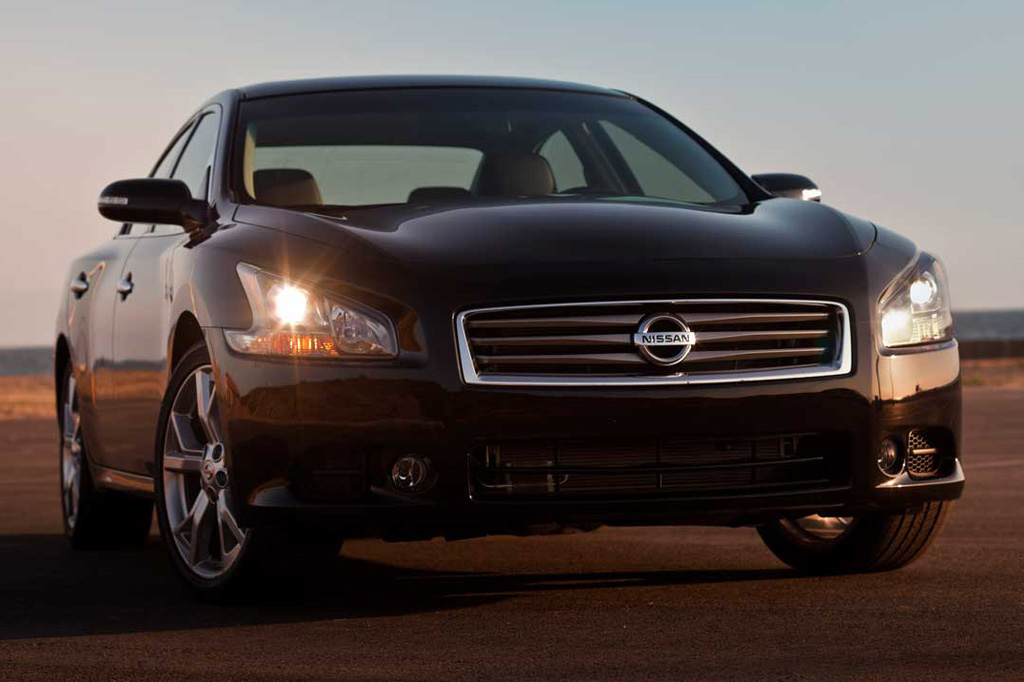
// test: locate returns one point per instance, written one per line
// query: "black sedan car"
(410, 307)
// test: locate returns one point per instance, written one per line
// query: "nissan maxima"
(419, 307)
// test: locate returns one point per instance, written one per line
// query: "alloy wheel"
(818, 528)
(196, 481)
(71, 454)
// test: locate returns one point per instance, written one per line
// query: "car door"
(142, 313)
(90, 327)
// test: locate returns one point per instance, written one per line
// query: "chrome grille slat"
(728, 355)
(594, 321)
(567, 359)
(559, 340)
(592, 343)
(719, 337)
(697, 319)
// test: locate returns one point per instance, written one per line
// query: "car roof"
(310, 85)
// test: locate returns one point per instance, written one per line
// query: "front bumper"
(293, 428)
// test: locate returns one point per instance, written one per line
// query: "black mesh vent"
(671, 466)
(924, 454)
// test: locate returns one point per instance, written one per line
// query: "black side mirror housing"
(789, 185)
(153, 200)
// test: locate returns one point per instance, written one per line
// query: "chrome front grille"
(577, 344)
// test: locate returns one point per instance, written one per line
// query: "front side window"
(197, 159)
(345, 150)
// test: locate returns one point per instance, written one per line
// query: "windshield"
(343, 150)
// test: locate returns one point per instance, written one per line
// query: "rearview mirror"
(789, 185)
(153, 200)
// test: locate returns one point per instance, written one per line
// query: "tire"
(197, 513)
(878, 542)
(93, 518)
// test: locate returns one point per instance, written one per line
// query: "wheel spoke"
(199, 542)
(69, 403)
(68, 432)
(70, 476)
(227, 519)
(204, 404)
(74, 494)
(182, 463)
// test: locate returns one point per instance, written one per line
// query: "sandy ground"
(623, 604)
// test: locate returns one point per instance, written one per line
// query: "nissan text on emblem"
(664, 339)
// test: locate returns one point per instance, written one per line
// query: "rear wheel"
(198, 514)
(876, 542)
(93, 518)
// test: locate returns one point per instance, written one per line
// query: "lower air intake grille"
(672, 467)
(924, 454)
(654, 342)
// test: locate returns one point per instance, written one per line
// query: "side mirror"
(153, 200)
(789, 185)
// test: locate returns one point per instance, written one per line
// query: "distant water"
(15, 361)
(977, 325)
(971, 325)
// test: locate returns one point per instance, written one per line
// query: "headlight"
(915, 308)
(290, 320)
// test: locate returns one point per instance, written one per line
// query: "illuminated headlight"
(290, 320)
(915, 308)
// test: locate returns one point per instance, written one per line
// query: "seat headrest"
(286, 187)
(516, 175)
(434, 195)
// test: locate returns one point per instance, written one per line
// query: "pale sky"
(912, 117)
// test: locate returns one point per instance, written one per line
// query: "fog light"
(890, 457)
(411, 474)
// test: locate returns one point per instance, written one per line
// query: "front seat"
(516, 175)
(286, 187)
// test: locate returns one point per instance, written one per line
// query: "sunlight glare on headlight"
(290, 304)
(897, 326)
(922, 291)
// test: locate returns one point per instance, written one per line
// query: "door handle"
(125, 286)
(79, 285)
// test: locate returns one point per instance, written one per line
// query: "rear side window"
(565, 164)
(166, 165)
(163, 171)
(197, 158)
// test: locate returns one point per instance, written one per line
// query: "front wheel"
(876, 542)
(195, 509)
(198, 513)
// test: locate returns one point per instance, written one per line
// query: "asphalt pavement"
(614, 604)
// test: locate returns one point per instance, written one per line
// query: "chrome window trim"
(471, 377)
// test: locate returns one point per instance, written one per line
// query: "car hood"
(578, 232)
